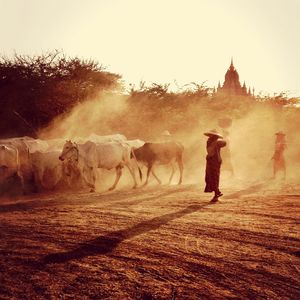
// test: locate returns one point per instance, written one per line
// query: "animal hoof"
(92, 191)
(134, 187)
(111, 188)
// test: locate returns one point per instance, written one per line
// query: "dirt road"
(164, 242)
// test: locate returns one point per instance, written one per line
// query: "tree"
(36, 89)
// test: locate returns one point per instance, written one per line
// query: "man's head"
(213, 134)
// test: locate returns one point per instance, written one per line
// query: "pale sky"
(165, 40)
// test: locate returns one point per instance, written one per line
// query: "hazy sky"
(165, 40)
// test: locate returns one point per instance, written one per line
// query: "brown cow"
(160, 154)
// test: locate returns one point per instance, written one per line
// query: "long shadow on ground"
(107, 243)
(87, 199)
(249, 190)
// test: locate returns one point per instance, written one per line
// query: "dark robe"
(213, 164)
(278, 157)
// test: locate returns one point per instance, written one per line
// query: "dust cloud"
(251, 136)
(93, 116)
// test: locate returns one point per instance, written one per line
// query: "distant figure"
(278, 156)
(225, 123)
(227, 163)
(213, 163)
(166, 136)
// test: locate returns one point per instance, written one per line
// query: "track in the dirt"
(151, 243)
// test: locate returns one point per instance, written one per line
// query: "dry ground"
(163, 242)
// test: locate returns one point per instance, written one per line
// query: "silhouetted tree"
(36, 89)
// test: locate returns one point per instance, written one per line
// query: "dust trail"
(251, 135)
(93, 116)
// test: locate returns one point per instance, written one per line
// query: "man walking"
(278, 156)
(213, 163)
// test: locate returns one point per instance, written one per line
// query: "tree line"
(34, 90)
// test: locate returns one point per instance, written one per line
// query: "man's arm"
(221, 143)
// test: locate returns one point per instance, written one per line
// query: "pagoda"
(232, 85)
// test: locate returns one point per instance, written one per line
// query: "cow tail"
(18, 161)
(140, 171)
(19, 172)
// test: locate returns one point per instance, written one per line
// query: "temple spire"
(232, 84)
(231, 64)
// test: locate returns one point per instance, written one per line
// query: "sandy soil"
(159, 242)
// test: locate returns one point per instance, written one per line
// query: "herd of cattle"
(36, 165)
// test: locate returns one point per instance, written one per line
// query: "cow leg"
(180, 165)
(158, 180)
(91, 173)
(119, 173)
(75, 177)
(172, 173)
(133, 176)
(37, 178)
(94, 179)
(22, 181)
(91, 185)
(148, 172)
(57, 176)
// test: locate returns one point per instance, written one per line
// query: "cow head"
(70, 152)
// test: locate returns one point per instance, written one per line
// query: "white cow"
(36, 145)
(55, 144)
(106, 138)
(24, 159)
(20, 144)
(90, 156)
(9, 164)
(134, 143)
(101, 138)
(47, 169)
